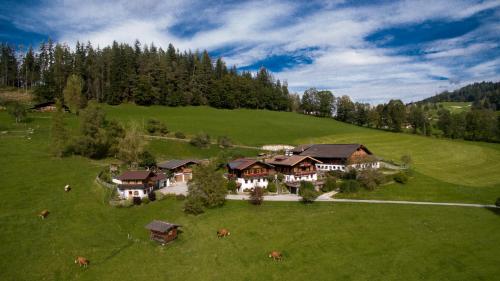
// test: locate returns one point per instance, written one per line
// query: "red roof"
(135, 175)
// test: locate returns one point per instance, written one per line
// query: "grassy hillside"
(319, 241)
(459, 162)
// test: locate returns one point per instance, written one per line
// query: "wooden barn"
(162, 232)
(48, 107)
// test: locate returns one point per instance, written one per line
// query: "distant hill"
(484, 94)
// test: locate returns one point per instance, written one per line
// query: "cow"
(44, 214)
(275, 255)
(223, 232)
(67, 188)
(81, 261)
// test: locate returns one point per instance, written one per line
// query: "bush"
(349, 186)
(127, 203)
(370, 178)
(232, 186)
(180, 197)
(351, 174)
(307, 191)
(145, 200)
(137, 200)
(152, 196)
(271, 187)
(498, 202)
(146, 159)
(158, 195)
(256, 196)
(224, 142)
(401, 178)
(155, 126)
(180, 135)
(105, 176)
(201, 140)
(193, 205)
(330, 184)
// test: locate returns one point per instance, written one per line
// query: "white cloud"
(342, 59)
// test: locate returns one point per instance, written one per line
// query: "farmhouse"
(338, 157)
(161, 231)
(249, 173)
(48, 107)
(295, 167)
(181, 170)
(139, 183)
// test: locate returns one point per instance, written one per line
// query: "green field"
(322, 241)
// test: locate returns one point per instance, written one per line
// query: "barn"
(162, 231)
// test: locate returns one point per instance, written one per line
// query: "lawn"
(322, 241)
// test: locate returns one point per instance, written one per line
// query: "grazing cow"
(67, 188)
(223, 232)
(81, 261)
(275, 255)
(44, 214)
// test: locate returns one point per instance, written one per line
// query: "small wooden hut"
(162, 232)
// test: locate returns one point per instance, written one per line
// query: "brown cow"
(223, 232)
(44, 214)
(81, 261)
(275, 255)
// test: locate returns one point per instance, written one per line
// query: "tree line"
(484, 95)
(478, 124)
(142, 74)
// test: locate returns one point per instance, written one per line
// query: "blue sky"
(370, 50)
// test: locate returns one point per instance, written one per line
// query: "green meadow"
(321, 241)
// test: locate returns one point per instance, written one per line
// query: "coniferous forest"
(142, 74)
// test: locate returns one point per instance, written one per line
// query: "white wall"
(251, 183)
(312, 177)
(124, 193)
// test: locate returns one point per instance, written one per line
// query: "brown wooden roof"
(160, 226)
(134, 175)
(290, 160)
(243, 163)
(332, 150)
(175, 163)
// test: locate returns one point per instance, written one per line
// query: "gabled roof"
(159, 176)
(134, 175)
(243, 163)
(332, 150)
(290, 160)
(160, 226)
(175, 163)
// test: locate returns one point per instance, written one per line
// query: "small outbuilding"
(48, 107)
(162, 232)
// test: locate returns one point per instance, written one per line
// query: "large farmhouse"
(249, 173)
(295, 168)
(338, 157)
(139, 183)
(181, 170)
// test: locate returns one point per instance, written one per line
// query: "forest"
(141, 74)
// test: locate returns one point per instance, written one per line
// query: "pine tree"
(73, 93)
(59, 134)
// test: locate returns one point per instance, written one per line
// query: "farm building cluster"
(302, 163)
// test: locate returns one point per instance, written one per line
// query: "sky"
(372, 51)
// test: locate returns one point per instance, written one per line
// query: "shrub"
(146, 159)
(201, 140)
(401, 178)
(137, 200)
(180, 135)
(193, 205)
(180, 197)
(127, 203)
(232, 186)
(351, 174)
(152, 196)
(159, 195)
(370, 178)
(105, 176)
(224, 142)
(155, 126)
(256, 196)
(349, 186)
(307, 192)
(330, 184)
(145, 200)
(271, 187)
(497, 203)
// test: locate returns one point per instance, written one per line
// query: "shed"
(161, 231)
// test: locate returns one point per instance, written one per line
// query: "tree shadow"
(495, 211)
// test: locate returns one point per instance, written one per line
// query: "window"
(246, 181)
(130, 192)
(136, 192)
